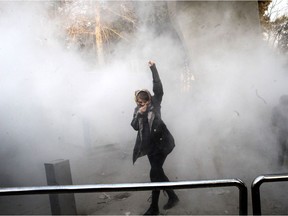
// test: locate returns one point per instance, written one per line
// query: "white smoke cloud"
(226, 123)
(50, 96)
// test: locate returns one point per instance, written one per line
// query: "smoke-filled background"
(61, 100)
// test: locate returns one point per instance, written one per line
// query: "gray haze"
(51, 97)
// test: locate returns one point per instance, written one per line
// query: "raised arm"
(157, 84)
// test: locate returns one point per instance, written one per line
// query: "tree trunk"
(98, 36)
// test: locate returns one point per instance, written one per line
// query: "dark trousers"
(157, 175)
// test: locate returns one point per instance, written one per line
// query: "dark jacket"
(161, 140)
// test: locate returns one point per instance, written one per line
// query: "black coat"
(161, 140)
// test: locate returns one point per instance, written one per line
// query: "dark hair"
(143, 95)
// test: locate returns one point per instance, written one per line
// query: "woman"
(153, 138)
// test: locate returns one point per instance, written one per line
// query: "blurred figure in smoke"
(280, 127)
(153, 138)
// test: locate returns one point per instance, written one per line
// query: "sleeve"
(157, 84)
(134, 122)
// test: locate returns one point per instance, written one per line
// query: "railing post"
(255, 189)
(243, 198)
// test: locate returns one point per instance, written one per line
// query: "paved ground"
(111, 164)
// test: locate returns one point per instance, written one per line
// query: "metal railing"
(243, 195)
(255, 189)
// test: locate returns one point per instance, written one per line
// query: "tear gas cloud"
(49, 94)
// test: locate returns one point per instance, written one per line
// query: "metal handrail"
(255, 189)
(243, 195)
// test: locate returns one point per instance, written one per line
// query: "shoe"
(171, 203)
(152, 211)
